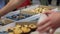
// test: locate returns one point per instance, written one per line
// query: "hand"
(51, 22)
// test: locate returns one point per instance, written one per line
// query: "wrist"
(3, 12)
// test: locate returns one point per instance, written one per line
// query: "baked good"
(18, 26)
(32, 26)
(17, 31)
(25, 29)
(25, 25)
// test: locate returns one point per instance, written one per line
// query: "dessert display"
(23, 28)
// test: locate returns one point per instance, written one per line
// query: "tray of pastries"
(23, 28)
(20, 28)
(36, 9)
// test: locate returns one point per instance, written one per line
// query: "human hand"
(51, 22)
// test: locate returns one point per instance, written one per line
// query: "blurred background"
(55, 3)
(47, 2)
(42, 2)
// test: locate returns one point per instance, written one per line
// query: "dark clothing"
(44, 2)
(49, 2)
(2, 3)
(58, 2)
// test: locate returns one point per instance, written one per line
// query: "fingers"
(45, 26)
(52, 31)
(48, 12)
(46, 29)
(43, 22)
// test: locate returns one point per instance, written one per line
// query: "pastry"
(32, 26)
(17, 31)
(25, 25)
(25, 30)
(18, 26)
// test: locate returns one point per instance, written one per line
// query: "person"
(25, 3)
(49, 1)
(51, 22)
(2, 3)
(58, 2)
(44, 2)
(12, 4)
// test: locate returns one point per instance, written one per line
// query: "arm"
(10, 6)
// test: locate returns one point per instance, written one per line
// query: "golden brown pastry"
(25, 29)
(25, 25)
(18, 26)
(32, 26)
(17, 31)
(41, 9)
